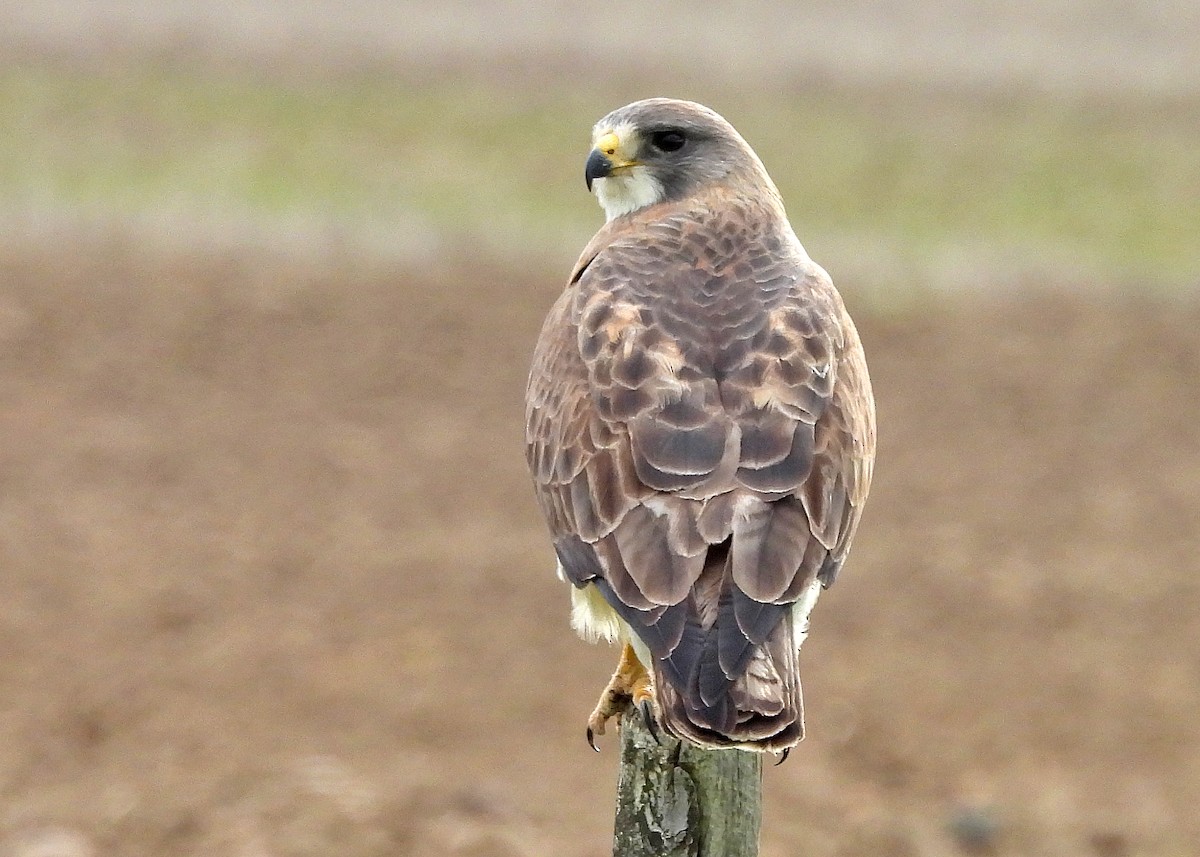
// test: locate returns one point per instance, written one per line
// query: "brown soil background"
(273, 582)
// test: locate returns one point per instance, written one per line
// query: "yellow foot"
(630, 685)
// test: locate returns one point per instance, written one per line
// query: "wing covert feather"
(699, 384)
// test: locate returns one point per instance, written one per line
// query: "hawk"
(700, 430)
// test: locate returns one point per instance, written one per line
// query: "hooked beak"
(606, 158)
(598, 166)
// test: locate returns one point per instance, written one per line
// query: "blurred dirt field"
(273, 582)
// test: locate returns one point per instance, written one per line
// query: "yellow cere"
(608, 143)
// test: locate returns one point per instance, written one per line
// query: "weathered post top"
(678, 800)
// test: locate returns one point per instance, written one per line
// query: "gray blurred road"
(1139, 46)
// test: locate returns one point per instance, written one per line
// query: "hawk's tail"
(734, 679)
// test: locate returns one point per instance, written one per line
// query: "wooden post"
(677, 800)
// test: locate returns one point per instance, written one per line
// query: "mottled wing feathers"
(581, 462)
(700, 444)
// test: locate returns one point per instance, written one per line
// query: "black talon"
(648, 719)
(783, 758)
(591, 739)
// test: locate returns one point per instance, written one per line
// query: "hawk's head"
(660, 150)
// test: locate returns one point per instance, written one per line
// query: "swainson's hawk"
(700, 429)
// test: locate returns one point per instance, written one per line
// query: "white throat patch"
(627, 191)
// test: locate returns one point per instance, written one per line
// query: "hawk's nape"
(700, 429)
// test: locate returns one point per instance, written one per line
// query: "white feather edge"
(594, 620)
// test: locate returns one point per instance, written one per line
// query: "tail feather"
(758, 690)
(733, 680)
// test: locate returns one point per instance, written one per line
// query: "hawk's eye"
(668, 141)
